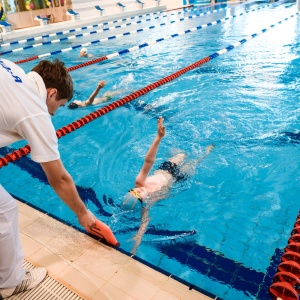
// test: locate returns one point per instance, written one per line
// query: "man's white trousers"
(11, 254)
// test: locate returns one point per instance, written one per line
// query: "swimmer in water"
(84, 53)
(92, 100)
(150, 189)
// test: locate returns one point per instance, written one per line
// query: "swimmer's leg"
(190, 168)
(100, 100)
(208, 150)
(111, 94)
(178, 159)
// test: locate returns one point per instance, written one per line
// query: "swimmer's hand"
(209, 149)
(161, 130)
(101, 83)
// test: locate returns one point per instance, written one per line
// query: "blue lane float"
(37, 38)
(77, 29)
(131, 32)
(110, 28)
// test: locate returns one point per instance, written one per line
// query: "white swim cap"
(83, 50)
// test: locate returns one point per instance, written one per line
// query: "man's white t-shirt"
(24, 113)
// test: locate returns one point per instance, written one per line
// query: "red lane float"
(287, 277)
(286, 282)
(283, 291)
(104, 110)
(26, 59)
(294, 247)
(296, 230)
(289, 255)
(295, 238)
(289, 266)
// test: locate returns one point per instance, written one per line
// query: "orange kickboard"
(103, 231)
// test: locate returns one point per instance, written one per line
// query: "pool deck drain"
(49, 288)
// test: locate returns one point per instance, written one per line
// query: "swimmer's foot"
(209, 148)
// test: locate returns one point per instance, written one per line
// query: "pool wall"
(87, 11)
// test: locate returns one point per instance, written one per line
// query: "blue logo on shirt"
(8, 69)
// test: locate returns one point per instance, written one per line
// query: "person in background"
(84, 53)
(92, 100)
(150, 189)
(27, 103)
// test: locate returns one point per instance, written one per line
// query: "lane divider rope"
(286, 281)
(17, 154)
(134, 48)
(103, 24)
(72, 37)
(103, 39)
(37, 38)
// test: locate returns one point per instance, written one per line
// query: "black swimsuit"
(173, 169)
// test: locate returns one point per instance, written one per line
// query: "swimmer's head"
(131, 202)
(73, 105)
(83, 52)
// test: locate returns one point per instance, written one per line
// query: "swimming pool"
(242, 199)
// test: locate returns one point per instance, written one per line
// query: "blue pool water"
(242, 199)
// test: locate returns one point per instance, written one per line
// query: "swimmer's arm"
(143, 227)
(151, 155)
(91, 99)
(148, 163)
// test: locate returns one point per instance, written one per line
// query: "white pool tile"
(108, 291)
(46, 258)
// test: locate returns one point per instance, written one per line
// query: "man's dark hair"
(56, 75)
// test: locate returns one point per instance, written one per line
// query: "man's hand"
(86, 219)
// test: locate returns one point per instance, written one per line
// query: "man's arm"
(151, 154)
(63, 184)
